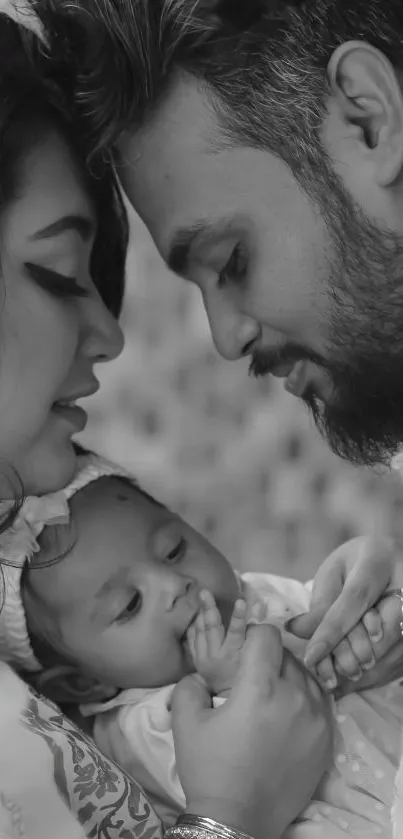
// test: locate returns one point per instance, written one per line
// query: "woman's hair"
(35, 100)
(33, 104)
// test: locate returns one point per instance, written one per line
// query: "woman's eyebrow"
(82, 225)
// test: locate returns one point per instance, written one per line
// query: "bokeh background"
(239, 458)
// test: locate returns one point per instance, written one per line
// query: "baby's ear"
(64, 684)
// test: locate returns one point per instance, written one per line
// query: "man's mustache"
(265, 361)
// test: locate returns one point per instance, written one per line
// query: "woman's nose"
(102, 336)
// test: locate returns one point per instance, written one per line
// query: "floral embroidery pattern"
(106, 802)
(11, 820)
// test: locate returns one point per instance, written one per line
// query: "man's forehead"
(163, 165)
(185, 113)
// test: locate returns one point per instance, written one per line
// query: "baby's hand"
(216, 655)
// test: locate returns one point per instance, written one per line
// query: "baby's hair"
(132, 482)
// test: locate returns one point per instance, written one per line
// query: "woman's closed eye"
(235, 269)
(57, 284)
(132, 608)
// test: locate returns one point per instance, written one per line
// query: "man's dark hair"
(264, 61)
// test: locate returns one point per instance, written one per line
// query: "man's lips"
(295, 375)
(297, 378)
(293, 370)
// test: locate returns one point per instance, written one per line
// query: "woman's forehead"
(50, 188)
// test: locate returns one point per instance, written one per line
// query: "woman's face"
(53, 324)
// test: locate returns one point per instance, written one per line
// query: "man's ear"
(64, 684)
(367, 96)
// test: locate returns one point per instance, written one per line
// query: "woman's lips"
(72, 413)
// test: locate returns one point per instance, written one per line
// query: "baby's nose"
(176, 588)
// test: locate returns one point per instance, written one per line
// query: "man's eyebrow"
(182, 241)
(80, 224)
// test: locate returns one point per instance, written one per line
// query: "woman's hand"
(255, 762)
(341, 620)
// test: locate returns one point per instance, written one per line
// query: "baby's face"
(120, 603)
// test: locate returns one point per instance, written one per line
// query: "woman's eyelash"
(58, 284)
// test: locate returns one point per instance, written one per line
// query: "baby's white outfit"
(356, 795)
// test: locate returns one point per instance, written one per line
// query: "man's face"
(310, 290)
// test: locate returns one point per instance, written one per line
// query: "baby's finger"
(361, 646)
(200, 638)
(345, 661)
(191, 639)
(213, 626)
(373, 624)
(326, 673)
(236, 634)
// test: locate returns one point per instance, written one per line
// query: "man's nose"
(233, 332)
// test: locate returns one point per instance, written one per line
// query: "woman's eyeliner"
(57, 284)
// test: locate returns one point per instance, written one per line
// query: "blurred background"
(240, 459)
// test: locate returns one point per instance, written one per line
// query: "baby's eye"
(178, 551)
(132, 608)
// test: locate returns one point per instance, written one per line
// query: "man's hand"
(348, 584)
(255, 762)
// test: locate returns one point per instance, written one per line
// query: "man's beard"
(363, 421)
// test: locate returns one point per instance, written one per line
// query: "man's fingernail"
(315, 654)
